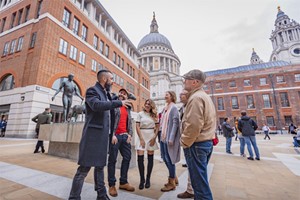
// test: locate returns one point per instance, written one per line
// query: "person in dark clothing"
(3, 125)
(292, 129)
(93, 147)
(248, 126)
(228, 134)
(121, 139)
(42, 118)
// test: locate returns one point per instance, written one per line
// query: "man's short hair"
(243, 113)
(225, 119)
(195, 74)
(101, 73)
(47, 109)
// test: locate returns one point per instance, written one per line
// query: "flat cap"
(195, 74)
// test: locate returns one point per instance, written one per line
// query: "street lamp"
(276, 104)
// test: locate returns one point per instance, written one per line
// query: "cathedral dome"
(154, 39)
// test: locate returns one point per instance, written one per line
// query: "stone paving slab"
(276, 176)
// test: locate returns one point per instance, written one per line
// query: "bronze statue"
(69, 89)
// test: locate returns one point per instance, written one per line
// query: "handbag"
(215, 141)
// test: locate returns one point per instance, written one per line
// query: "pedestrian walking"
(42, 118)
(266, 130)
(3, 124)
(248, 126)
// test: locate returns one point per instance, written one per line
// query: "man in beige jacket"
(198, 130)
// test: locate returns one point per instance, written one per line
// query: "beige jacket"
(199, 119)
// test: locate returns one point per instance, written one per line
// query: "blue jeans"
(242, 145)
(296, 142)
(251, 140)
(125, 150)
(197, 157)
(166, 158)
(228, 144)
(79, 179)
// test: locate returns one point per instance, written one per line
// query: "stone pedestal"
(64, 141)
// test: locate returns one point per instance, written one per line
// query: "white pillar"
(169, 61)
(82, 4)
(165, 67)
(148, 65)
(105, 26)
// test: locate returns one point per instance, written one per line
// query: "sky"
(205, 34)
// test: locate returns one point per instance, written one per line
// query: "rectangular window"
(107, 51)
(267, 101)
(118, 61)
(2, 25)
(284, 99)
(20, 17)
(82, 58)
(114, 57)
(63, 46)
(263, 81)
(32, 41)
(100, 66)
(247, 82)
(297, 77)
(122, 63)
(76, 23)
(20, 43)
(13, 46)
(94, 65)
(27, 9)
(38, 11)
(13, 18)
(133, 72)
(73, 52)
(280, 79)
(232, 84)
(270, 121)
(101, 46)
(234, 102)
(84, 32)
(5, 49)
(66, 18)
(250, 102)
(218, 86)
(220, 103)
(288, 120)
(95, 43)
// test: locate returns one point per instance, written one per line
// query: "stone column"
(164, 63)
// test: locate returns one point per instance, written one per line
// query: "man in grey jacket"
(228, 134)
(42, 118)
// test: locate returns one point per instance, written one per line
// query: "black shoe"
(142, 185)
(147, 184)
(250, 158)
(103, 198)
(43, 150)
(229, 152)
(257, 158)
(36, 151)
(184, 165)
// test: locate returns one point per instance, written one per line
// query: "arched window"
(7, 83)
(58, 82)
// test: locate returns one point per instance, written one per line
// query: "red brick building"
(41, 42)
(268, 91)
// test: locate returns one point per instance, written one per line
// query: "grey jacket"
(117, 120)
(247, 126)
(173, 135)
(42, 118)
(227, 130)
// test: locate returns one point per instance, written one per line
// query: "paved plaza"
(24, 175)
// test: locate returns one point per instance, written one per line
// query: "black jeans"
(125, 150)
(79, 179)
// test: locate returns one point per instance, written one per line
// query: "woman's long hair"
(153, 110)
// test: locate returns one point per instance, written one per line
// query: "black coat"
(93, 147)
(247, 126)
(227, 130)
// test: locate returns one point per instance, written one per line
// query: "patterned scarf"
(164, 121)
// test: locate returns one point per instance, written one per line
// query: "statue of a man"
(69, 89)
